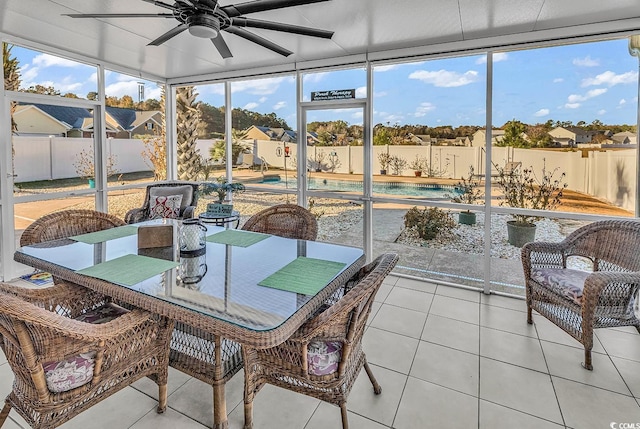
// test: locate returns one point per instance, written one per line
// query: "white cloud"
(572, 105)
(623, 101)
(257, 86)
(574, 98)
(279, 105)
(358, 115)
(250, 106)
(541, 112)
(586, 62)
(361, 92)
(558, 80)
(386, 67)
(93, 78)
(262, 99)
(601, 112)
(423, 109)
(121, 88)
(46, 60)
(445, 78)
(610, 78)
(28, 74)
(497, 57)
(314, 77)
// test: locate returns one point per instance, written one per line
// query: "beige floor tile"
(121, 410)
(419, 285)
(274, 407)
(389, 350)
(11, 424)
(590, 407)
(447, 367)
(3, 358)
(494, 416)
(620, 344)
(452, 333)
(176, 380)
(409, 299)
(630, 371)
(426, 405)
(547, 331)
(382, 293)
(505, 319)
(390, 280)
(460, 293)
(379, 408)
(374, 310)
(169, 420)
(400, 320)
(565, 362)
(503, 302)
(328, 416)
(455, 309)
(512, 348)
(519, 388)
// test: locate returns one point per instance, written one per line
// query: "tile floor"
(445, 357)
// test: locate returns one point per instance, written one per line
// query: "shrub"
(384, 158)
(397, 164)
(468, 189)
(428, 222)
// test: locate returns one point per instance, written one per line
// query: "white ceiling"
(360, 26)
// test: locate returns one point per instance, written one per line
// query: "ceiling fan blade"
(168, 35)
(234, 10)
(268, 25)
(161, 4)
(221, 46)
(259, 40)
(210, 4)
(119, 15)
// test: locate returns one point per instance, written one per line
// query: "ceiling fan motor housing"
(203, 25)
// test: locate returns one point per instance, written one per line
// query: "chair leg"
(377, 389)
(343, 412)
(248, 415)
(529, 315)
(4, 413)
(587, 360)
(162, 398)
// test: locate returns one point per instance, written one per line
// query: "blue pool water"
(422, 190)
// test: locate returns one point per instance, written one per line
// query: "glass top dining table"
(224, 282)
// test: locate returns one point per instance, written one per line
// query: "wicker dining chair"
(67, 223)
(69, 348)
(188, 201)
(324, 357)
(579, 301)
(284, 220)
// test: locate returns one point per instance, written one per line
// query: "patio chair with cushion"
(324, 357)
(69, 348)
(284, 220)
(579, 301)
(67, 223)
(172, 199)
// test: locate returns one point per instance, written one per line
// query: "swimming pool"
(423, 190)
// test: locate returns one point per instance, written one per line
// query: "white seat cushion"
(565, 282)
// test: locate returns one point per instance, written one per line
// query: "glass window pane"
(335, 84)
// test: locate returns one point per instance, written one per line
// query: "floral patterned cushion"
(565, 282)
(323, 357)
(70, 373)
(165, 207)
(78, 370)
(103, 314)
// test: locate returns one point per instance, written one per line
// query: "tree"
(513, 135)
(11, 67)
(41, 89)
(92, 95)
(238, 146)
(188, 120)
(155, 148)
(381, 136)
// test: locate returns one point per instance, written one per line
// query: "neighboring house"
(50, 120)
(421, 139)
(479, 138)
(624, 137)
(571, 136)
(255, 132)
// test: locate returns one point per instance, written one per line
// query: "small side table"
(221, 219)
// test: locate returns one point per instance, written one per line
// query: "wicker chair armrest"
(188, 212)
(135, 215)
(549, 254)
(597, 283)
(74, 298)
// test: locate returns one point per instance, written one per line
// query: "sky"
(580, 82)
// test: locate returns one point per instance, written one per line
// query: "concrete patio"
(445, 357)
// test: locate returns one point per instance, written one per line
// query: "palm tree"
(11, 68)
(188, 122)
(238, 146)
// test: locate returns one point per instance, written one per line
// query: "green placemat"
(237, 238)
(304, 275)
(106, 234)
(128, 269)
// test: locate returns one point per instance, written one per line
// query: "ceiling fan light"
(204, 26)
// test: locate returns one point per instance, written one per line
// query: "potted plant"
(397, 164)
(468, 192)
(418, 165)
(384, 158)
(524, 189)
(221, 188)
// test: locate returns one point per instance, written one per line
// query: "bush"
(428, 222)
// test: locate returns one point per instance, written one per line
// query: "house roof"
(73, 117)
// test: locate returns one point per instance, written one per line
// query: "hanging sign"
(333, 94)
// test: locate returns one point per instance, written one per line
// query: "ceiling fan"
(206, 19)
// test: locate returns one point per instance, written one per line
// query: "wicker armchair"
(579, 301)
(188, 191)
(324, 357)
(69, 349)
(67, 223)
(284, 220)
